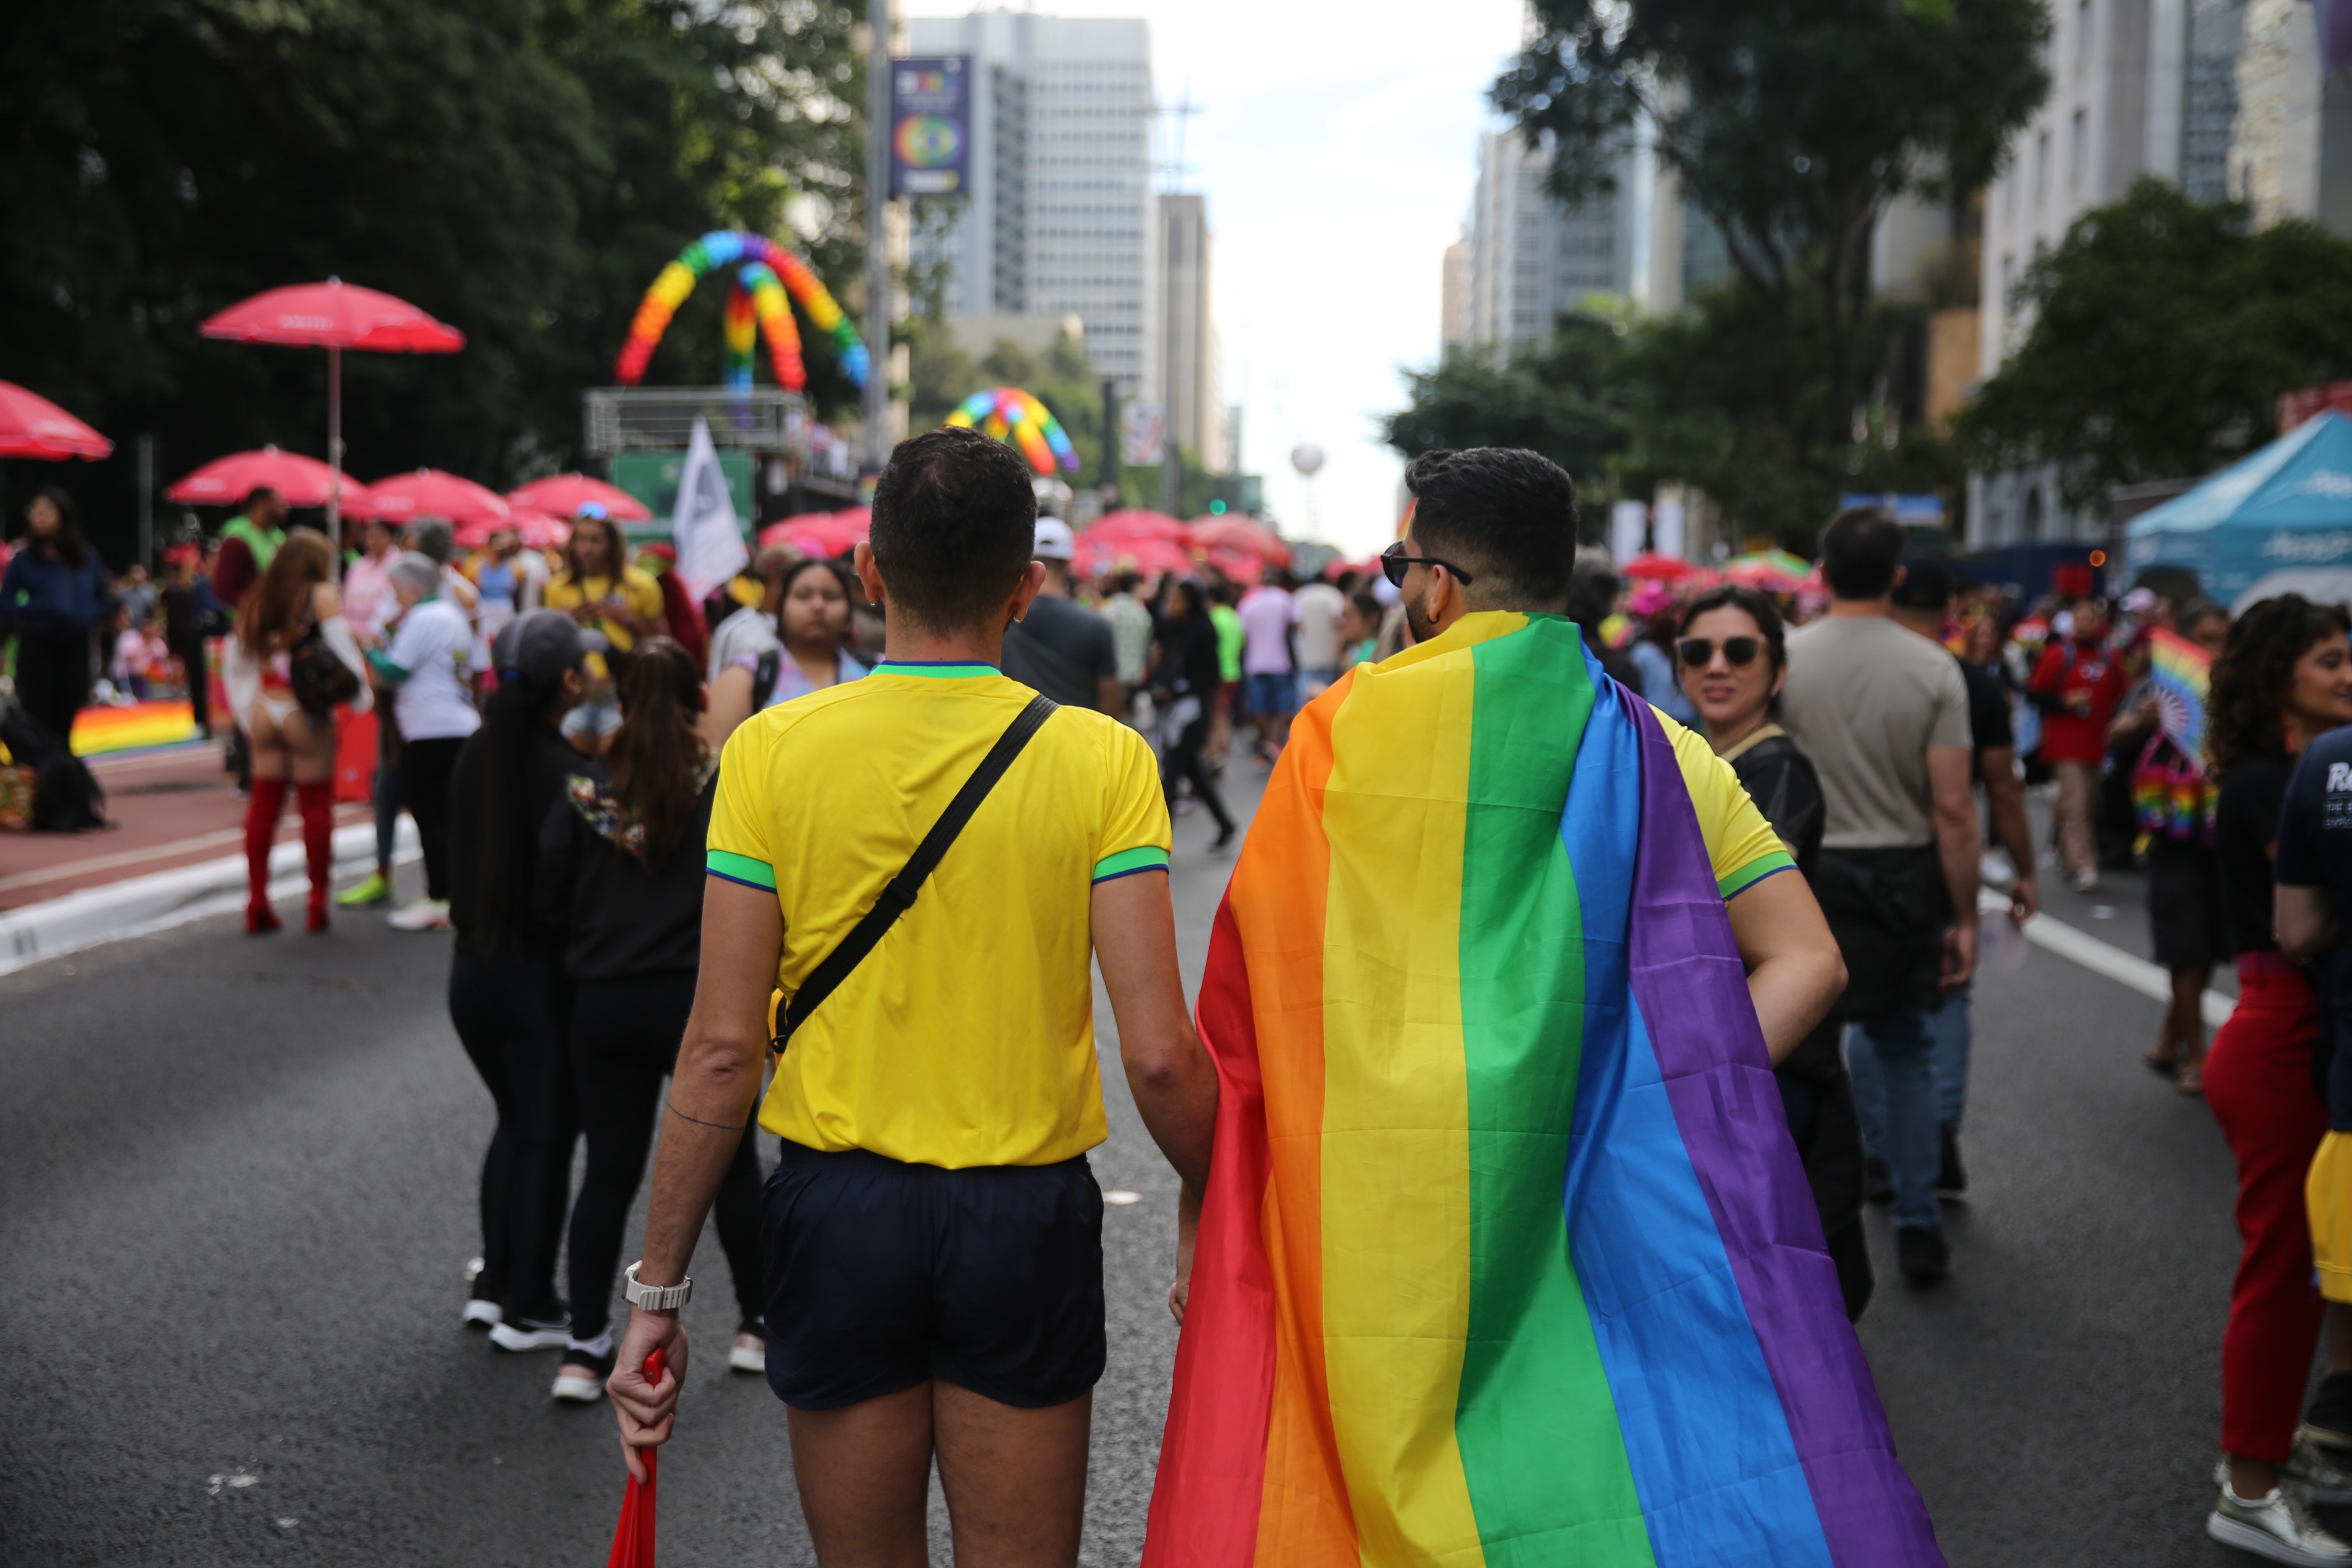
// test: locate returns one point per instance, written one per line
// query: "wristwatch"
(655, 1297)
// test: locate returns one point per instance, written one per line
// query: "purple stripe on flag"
(1692, 992)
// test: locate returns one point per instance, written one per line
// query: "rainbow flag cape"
(1507, 1257)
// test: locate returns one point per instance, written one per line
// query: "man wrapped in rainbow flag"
(1507, 1257)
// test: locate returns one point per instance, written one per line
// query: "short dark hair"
(1861, 550)
(954, 522)
(1507, 517)
(1927, 585)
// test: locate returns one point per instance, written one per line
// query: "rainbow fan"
(2178, 672)
(756, 303)
(1009, 413)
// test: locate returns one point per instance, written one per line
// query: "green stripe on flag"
(1535, 1419)
(741, 868)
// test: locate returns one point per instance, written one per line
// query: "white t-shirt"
(747, 631)
(435, 645)
(1268, 616)
(1317, 607)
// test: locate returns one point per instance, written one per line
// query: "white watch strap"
(655, 1297)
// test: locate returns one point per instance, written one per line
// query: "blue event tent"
(2280, 520)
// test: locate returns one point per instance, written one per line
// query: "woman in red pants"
(293, 613)
(2285, 678)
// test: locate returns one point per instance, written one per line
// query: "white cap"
(1055, 541)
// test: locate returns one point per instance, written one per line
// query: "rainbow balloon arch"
(1010, 415)
(756, 306)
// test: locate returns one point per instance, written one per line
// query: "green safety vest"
(264, 545)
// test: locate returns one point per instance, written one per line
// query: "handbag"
(898, 895)
(317, 675)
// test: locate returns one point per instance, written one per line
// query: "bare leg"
(310, 749)
(2339, 1338)
(1015, 1479)
(865, 1474)
(272, 758)
(2188, 1028)
(2252, 1478)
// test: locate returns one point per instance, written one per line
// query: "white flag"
(703, 525)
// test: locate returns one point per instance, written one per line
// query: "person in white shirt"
(430, 668)
(1316, 608)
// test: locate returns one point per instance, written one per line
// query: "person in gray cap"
(1061, 647)
(507, 995)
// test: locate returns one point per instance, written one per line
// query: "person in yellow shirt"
(933, 1233)
(599, 589)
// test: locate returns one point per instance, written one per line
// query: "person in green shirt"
(1230, 638)
(248, 542)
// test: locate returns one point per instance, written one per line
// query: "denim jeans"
(1893, 1060)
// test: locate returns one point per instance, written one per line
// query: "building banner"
(931, 125)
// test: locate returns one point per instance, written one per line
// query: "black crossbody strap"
(898, 894)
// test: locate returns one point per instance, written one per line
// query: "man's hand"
(2024, 899)
(1959, 953)
(647, 1412)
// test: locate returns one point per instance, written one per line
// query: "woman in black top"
(507, 995)
(1734, 659)
(2285, 678)
(1185, 678)
(621, 875)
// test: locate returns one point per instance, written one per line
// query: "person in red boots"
(291, 658)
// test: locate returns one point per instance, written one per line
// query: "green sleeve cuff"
(1755, 871)
(734, 868)
(1127, 862)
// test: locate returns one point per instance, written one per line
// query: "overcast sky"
(1337, 167)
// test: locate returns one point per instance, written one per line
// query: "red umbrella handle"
(656, 1364)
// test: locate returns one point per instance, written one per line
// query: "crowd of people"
(646, 886)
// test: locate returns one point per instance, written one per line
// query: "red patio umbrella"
(33, 427)
(1134, 522)
(302, 481)
(821, 534)
(1240, 535)
(1656, 568)
(563, 495)
(335, 316)
(429, 492)
(538, 530)
(1150, 556)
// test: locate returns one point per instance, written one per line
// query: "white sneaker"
(748, 1357)
(481, 1314)
(526, 1335)
(2083, 881)
(2280, 1527)
(574, 1389)
(424, 914)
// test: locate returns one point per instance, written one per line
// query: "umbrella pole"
(335, 450)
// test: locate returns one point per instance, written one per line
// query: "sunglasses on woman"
(1738, 652)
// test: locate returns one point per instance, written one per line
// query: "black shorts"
(2184, 905)
(883, 1275)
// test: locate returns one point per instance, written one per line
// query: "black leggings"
(1184, 761)
(425, 773)
(53, 677)
(624, 1037)
(513, 1018)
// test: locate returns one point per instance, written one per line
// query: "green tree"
(1790, 125)
(2162, 332)
(1564, 398)
(520, 168)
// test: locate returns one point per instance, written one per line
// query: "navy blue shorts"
(883, 1275)
(1273, 694)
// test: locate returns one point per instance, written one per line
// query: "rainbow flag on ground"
(1508, 1257)
(131, 726)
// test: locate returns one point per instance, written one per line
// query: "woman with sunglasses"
(1733, 658)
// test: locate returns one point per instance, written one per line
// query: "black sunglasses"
(1739, 652)
(1393, 562)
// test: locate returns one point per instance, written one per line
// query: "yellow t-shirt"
(967, 1037)
(1740, 845)
(639, 592)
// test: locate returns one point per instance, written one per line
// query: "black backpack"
(66, 794)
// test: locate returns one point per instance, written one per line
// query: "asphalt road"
(239, 1193)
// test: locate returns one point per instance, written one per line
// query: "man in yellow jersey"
(933, 1232)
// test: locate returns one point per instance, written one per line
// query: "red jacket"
(2086, 682)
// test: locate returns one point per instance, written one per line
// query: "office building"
(1528, 256)
(1188, 346)
(1060, 217)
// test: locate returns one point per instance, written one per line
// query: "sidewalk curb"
(141, 906)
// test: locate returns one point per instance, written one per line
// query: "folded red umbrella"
(633, 1542)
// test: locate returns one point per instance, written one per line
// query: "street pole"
(1110, 441)
(878, 247)
(335, 451)
(147, 502)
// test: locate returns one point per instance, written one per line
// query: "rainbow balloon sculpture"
(755, 304)
(1009, 413)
